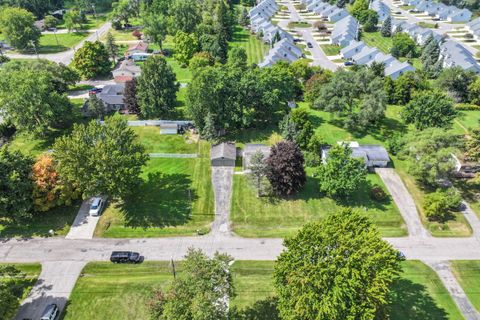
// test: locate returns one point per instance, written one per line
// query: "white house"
(365, 55)
(352, 49)
(337, 15)
(344, 31)
(454, 54)
(397, 68)
(463, 15)
(386, 59)
(283, 50)
(381, 9)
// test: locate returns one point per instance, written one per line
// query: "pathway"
(444, 271)
(54, 285)
(222, 180)
(404, 202)
(472, 219)
(84, 224)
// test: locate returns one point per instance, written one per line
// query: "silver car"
(96, 206)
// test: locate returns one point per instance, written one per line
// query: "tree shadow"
(409, 300)
(162, 200)
(261, 310)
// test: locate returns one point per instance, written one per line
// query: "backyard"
(109, 291)
(254, 48)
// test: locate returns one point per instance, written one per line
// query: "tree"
(10, 290)
(72, 20)
(155, 27)
(130, 97)
(288, 129)
(101, 159)
(358, 7)
(456, 82)
(201, 291)
(432, 64)
(341, 175)
(258, 171)
(50, 22)
(303, 71)
(474, 91)
(244, 18)
(386, 30)
(111, 46)
(428, 154)
(28, 98)
(402, 45)
(285, 169)
(49, 189)
(156, 88)
(92, 60)
(17, 26)
(406, 85)
(186, 46)
(200, 60)
(237, 58)
(378, 69)
(472, 146)
(96, 108)
(302, 126)
(16, 202)
(440, 205)
(336, 269)
(186, 15)
(314, 85)
(429, 109)
(369, 19)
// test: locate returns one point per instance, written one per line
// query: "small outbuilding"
(168, 128)
(223, 154)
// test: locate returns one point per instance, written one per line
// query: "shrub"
(377, 193)
(137, 34)
(466, 106)
(439, 205)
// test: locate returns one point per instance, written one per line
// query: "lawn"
(375, 39)
(468, 274)
(174, 198)
(255, 48)
(429, 25)
(66, 41)
(281, 217)
(299, 24)
(154, 142)
(330, 49)
(31, 271)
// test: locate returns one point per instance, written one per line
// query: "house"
(250, 149)
(112, 97)
(283, 50)
(168, 128)
(397, 68)
(454, 54)
(139, 47)
(365, 55)
(127, 71)
(474, 28)
(386, 59)
(344, 31)
(352, 49)
(375, 156)
(223, 155)
(398, 25)
(382, 10)
(337, 15)
(463, 15)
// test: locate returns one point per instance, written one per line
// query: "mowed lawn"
(375, 39)
(154, 142)
(467, 273)
(330, 49)
(281, 217)
(107, 291)
(66, 41)
(174, 198)
(255, 48)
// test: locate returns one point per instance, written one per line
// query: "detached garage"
(223, 155)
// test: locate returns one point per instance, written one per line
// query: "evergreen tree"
(430, 57)
(386, 30)
(130, 97)
(111, 46)
(209, 132)
(96, 108)
(276, 38)
(258, 170)
(244, 19)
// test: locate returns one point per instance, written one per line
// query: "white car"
(96, 206)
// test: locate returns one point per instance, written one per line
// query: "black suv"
(125, 257)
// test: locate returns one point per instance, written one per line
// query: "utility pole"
(173, 269)
(35, 48)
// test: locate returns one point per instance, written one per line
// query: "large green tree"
(155, 27)
(456, 82)
(156, 88)
(17, 26)
(200, 292)
(403, 45)
(429, 109)
(341, 174)
(101, 158)
(10, 290)
(336, 269)
(186, 45)
(92, 60)
(16, 200)
(186, 15)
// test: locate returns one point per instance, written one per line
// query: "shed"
(250, 149)
(168, 128)
(223, 154)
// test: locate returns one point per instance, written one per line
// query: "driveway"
(404, 201)
(222, 180)
(54, 285)
(84, 225)
(319, 57)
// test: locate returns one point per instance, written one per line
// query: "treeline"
(40, 8)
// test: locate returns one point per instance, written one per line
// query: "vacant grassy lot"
(468, 274)
(282, 217)
(330, 49)
(175, 198)
(154, 142)
(255, 48)
(66, 41)
(108, 291)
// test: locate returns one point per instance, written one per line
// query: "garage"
(223, 155)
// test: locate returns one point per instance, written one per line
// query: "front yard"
(467, 273)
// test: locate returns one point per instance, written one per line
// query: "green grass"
(330, 49)
(66, 41)
(424, 24)
(281, 217)
(154, 142)
(375, 39)
(58, 219)
(468, 274)
(255, 48)
(174, 198)
(300, 24)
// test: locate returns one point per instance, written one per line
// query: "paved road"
(84, 225)
(319, 57)
(404, 201)
(54, 285)
(444, 271)
(222, 181)
(67, 56)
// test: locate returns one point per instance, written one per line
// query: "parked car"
(348, 63)
(50, 313)
(297, 40)
(125, 257)
(398, 12)
(94, 91)
(309, 44)
(96, 206)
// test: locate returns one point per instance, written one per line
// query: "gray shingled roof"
(224, 150)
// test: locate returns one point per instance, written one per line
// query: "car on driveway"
(125, 257)
(348, 63)
(94, 91)
(309, 44)
(96, 206)
(50, 312)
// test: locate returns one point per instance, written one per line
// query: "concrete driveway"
(84, 225)
(54, 285)
(222, 180)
